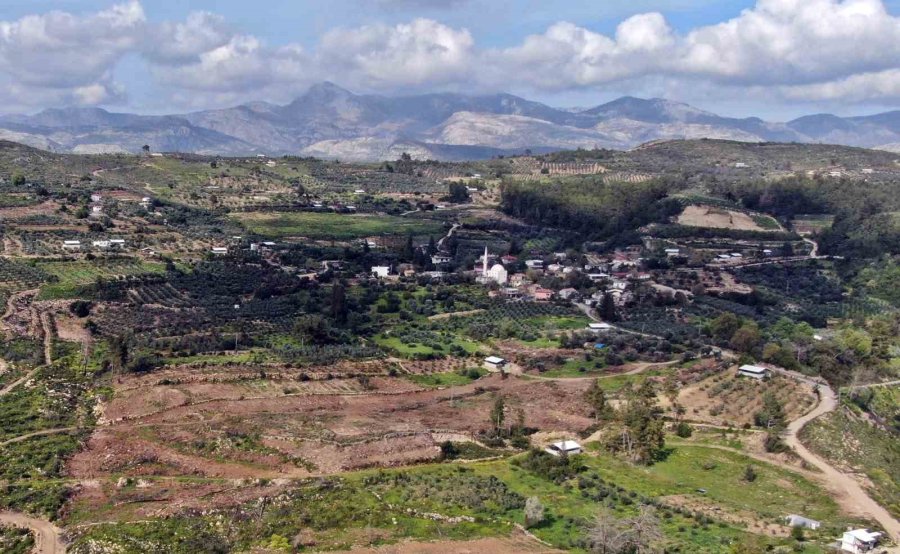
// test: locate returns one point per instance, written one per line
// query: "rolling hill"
(329, 121)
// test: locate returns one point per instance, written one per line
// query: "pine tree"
(608, 308)
(498, 414)
(596, 399)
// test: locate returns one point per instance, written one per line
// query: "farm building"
(567, 293)
(72, 244)
(494, 363)
(793, 520)
(859, 541)
(753, 371)
(597, 327)
(563, 447)
(219, 250)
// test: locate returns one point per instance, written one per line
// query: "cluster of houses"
(104, 244)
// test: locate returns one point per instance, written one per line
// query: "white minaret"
(484, 270)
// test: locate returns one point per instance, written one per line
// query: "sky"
(775, 59)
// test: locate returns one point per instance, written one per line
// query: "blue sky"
(773, 58)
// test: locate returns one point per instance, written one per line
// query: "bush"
(684, 430)
(750, 474)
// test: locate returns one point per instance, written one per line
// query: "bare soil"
(726, 399)
(718, 218)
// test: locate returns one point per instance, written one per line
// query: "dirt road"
(42, 433)
(48, 537)
(638, 368)
(9, 388)
(853, 495)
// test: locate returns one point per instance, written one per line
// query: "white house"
(563, 447)
(534, 264)
(753, 371)
(219, 250)
(599, 327)
(793, 520)
(381, 271)
(567, 293)
(117, 243)
(441, 259)
(859, 541)
(72, 244)
(494, 363)
(672, 252)
(101, 244)
(740, 165)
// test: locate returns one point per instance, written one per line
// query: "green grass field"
(333, 225)
(71, 275)
(450, 379)
(766, 222)
(419, 349)
(492, 494)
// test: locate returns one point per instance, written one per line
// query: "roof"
(863, 535)
(599, 325)
(753, 369)
(795, 518)
(494, 360)
(566, 445)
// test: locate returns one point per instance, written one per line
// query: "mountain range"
(331, 122)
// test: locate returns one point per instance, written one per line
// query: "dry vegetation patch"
(719, 218)
(727, 399)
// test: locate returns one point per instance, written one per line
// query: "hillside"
(332, 122)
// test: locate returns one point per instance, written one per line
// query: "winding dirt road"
(48, 537)
(852, 493)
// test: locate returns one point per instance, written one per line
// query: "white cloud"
(879, 85)
(63, 57)
(183, 42)
(793, 41)
(381, 56)
(826, 50)
(829, 45)
(241, 64)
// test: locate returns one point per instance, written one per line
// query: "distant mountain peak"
(445, 124)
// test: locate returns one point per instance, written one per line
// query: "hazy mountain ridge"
(329, 121)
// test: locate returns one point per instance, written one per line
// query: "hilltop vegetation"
(207, 354)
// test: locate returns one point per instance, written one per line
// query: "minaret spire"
(484, 270)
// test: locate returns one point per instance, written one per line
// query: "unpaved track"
(849, 492)
(42, 433)
(9, 388)
(854, 496)
(639, 368)
(48, 537)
